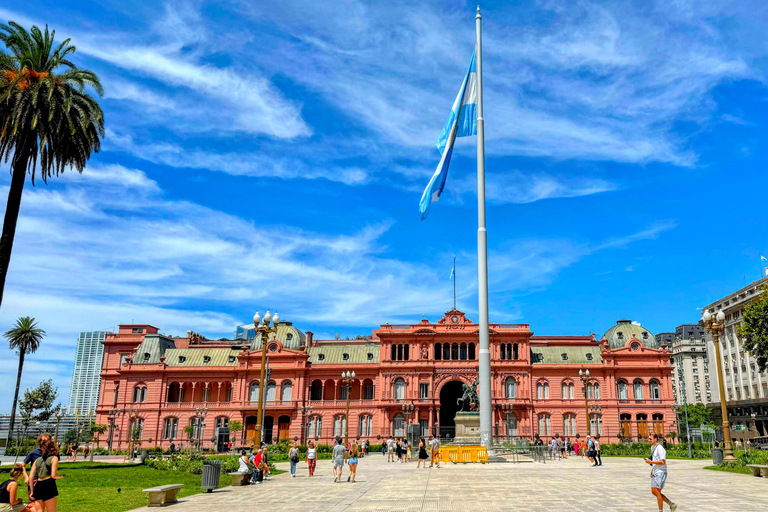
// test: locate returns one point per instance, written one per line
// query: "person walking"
(567, 444)
(658, 462)
(34, 455)
(598, 459)
(9, 490)
(338, 460)
(553, 447)
(422, 453)
(408, 454)
(591, 450)
(44, 476)
(353, 461)
(384, 448)
(434, 448)
(311, 457)
(390, 450)
(293, 457)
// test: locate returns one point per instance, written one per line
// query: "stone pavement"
(621, 484)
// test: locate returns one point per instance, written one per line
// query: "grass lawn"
(101, 487)
(741, 470)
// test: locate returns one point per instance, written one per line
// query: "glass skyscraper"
(86, 378)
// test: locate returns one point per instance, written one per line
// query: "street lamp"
(507, 410)
(306, 411)
(347, 378)
(714, 323)
(407, 411)
(584, 376)
(201, 413)
(262, 327)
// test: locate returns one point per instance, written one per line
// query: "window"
(285, 396)
(270, 391)
(137, 330)
(139, 394)
(320, 357)
(542, 390)
(147, 355)
(564, 356)
(621, 390)
(567, 390)
(596, 424)
(288, 337)
(438, 352)
(345, 357)
(339, 425)
(511, 424)
(368, 392)
(569, 424)
(316, 391)
(232, 359)
(171, 428)
(544, 424)
(343, 392)
(510, 387)
(222, 422)
(254, 393)
(206, 359)
(446, 352)
(182, 359)
(138, 423)
(594, 391)
(365, 426)
(424, 390)
(589, 357)
(398, 426)
(455, 352)
(514, 352)
(370, 356)
(638, 389)
(655, 391)
(463, 351)
(399, 389)
(314, 426)
(503, 351)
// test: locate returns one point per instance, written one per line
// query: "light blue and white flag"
(462, 122)
(453, 272)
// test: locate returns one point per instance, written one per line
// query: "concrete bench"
(240, 478)
(757, 469)
(163, 494)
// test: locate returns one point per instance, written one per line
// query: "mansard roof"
(287, 334)
(197, 357)
(151, 348)
(358, 353)
(553, 354)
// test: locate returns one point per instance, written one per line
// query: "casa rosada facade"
(405, 376)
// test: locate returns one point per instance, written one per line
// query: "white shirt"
(658, 453)
(311, 454)
(435, 444)
(389, 443)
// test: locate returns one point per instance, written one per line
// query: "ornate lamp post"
(111, 415)
(584, 376)
(714, 324)
(201, 413)
(263, 328)
(407, 411)
(306, 411)
(347, 378)
(507, 410)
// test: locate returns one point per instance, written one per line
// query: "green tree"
(698, 415)
(235, 426)
(754, 329)
(98, 430)
(38, 404)
(25, 338)
(47, 121)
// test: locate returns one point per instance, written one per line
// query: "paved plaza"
(622, 484)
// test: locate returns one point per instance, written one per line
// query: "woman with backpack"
(293, 456)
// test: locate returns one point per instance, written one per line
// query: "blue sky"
(272, 155)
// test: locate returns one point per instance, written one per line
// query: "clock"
(454, 319)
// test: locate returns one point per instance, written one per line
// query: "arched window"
(399, 389)
(511, 424)
(593, 391)
(270, 391)
(137, 425)
(253, 395)
(569, 424)
(463, 351)
(472, 352)
(542, 390)
(339, 425)
(393, 356)
(454, 352)
(399, 426)
(438, 352)
(510, 387)
(596, 424)
(621, 389)
(567, 390)
(642, 425)
(514, 351)
(139, 394)
(171, 428)
(544, 424)
(637, 386)
(316, 390)
(654, 390)
(365, 425)
(314, 426)
(626, 425)
(446, 352)
(285, 396)
(658, 423)
(503, 354)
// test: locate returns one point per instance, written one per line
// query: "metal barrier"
(463, 454)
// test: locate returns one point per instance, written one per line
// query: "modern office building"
(86, 377)
(406, 376)
(746, 388)
(245, 332)
(68, 422)
(691, 379)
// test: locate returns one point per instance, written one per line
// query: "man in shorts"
(390, 450)
(658, 462)
(338, 459)
(434, 449)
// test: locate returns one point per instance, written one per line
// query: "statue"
(469, 397)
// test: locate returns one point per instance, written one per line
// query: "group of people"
(399, 450)
(41, 480)
(257, 465)
(562, 447)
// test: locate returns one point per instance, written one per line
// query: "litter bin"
(144, 455)
(717, 456)
(211, 475)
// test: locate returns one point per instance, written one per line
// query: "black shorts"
(45, 490)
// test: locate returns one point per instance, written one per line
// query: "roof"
(553, 354)
(624, 330)
(151, 348)
(334, 354)
(287, 334)
(196, 357)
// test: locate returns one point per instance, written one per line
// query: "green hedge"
(699, 450)
(192, 464)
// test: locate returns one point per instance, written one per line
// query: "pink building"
(162, 384)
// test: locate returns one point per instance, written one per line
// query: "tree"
(47, 121)
(25, 338)
(235, 426)
(37, 404)
(98, 429)
(698, 415)
(754, 329)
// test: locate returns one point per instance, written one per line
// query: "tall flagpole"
(484, 371)
(454, 283)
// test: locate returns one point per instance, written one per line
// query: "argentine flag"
(462, 122)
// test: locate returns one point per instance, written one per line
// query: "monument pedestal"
(467, 428)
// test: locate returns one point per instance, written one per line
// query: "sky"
(271, 155)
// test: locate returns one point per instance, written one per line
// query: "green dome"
(287, 334)
(624, 330)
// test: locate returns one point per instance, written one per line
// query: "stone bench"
(163, 494)
(758, 470)
(240, 478)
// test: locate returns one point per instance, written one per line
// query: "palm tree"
(46, 117)
(24, 337)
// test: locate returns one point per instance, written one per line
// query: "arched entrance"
(449, 395)
(251, 438)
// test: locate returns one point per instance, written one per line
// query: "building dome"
(287, 334)
(624, 330)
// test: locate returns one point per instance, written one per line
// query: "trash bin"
(211, 475)
(717, 456)
(144, 455)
